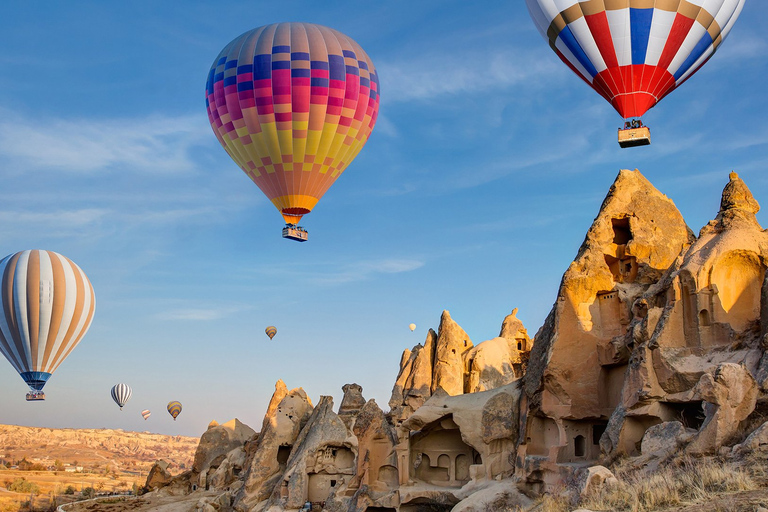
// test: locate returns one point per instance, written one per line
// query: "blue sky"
(486, 167)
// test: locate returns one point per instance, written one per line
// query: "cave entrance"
(439, 456)
(283, 452)
(690, 414)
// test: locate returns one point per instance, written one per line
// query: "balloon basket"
(294, 232)
(35, 395)
(631, 137)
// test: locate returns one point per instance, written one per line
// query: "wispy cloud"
(157, 142)
(342, 273)
(475, 72)
(365, 270)
(198, 314)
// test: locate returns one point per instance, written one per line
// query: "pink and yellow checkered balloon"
(293, 104)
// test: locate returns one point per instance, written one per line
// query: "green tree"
(22, 485)
(69, 490)
(87, 493)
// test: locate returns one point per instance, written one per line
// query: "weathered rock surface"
(580, 355)
(352, 402)
(591, 479)
(656, 346)
(287, 414)
(158, 476)
(322, 461)
(219, 440)
(448, 368)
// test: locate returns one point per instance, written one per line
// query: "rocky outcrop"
(580, 355)
(655, 347)
(729, 396)
(158, 476)
(287, 414)
(704, 316)
(447, 360)
(376, 478)
(219, 440)
(449, 368)
(322, 461)
(351, 404)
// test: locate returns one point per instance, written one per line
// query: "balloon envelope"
(271, 331)
(121, 393)
(634, 52)
(292, 104)
(174, 408)
(46, 306)
(146, 414)
(412, 327)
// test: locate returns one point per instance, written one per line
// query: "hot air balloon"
(47, 305)
(271, 331)
(412, 327)
(292, 104)
(634, 52)
(121, 393)
(145, 414)
(174, 408)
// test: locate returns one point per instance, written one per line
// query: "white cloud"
(156, 142)
(364, 270)
(334, 273)
(472, 72)
(196, 314)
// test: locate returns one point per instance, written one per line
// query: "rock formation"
(655, 346)
(216, 443)
(287, 414)
(580, 355)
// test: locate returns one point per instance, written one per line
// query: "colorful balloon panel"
(271, 331)
(292, 104)
(634, 52)
(46, 307)
(145, 414)
(174, 409)
(121, 393)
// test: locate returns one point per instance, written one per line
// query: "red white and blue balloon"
(634, 52)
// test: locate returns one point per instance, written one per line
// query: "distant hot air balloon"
(174, 408)
(121, 393)
(292, 104)
(412, 327)
(634, 52)
(46, 307)
(271, 331)
(145, 414)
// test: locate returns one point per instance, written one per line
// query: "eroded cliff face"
(655, 345)
(702, 322)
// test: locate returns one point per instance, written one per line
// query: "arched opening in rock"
(704, 320)
(439, 456)
(388, 475)
(579, 446)
(622, 233)
(583, 438)
(282, 454)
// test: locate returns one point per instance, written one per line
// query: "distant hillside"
(94, 449)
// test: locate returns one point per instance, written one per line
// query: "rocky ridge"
(655, 346)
